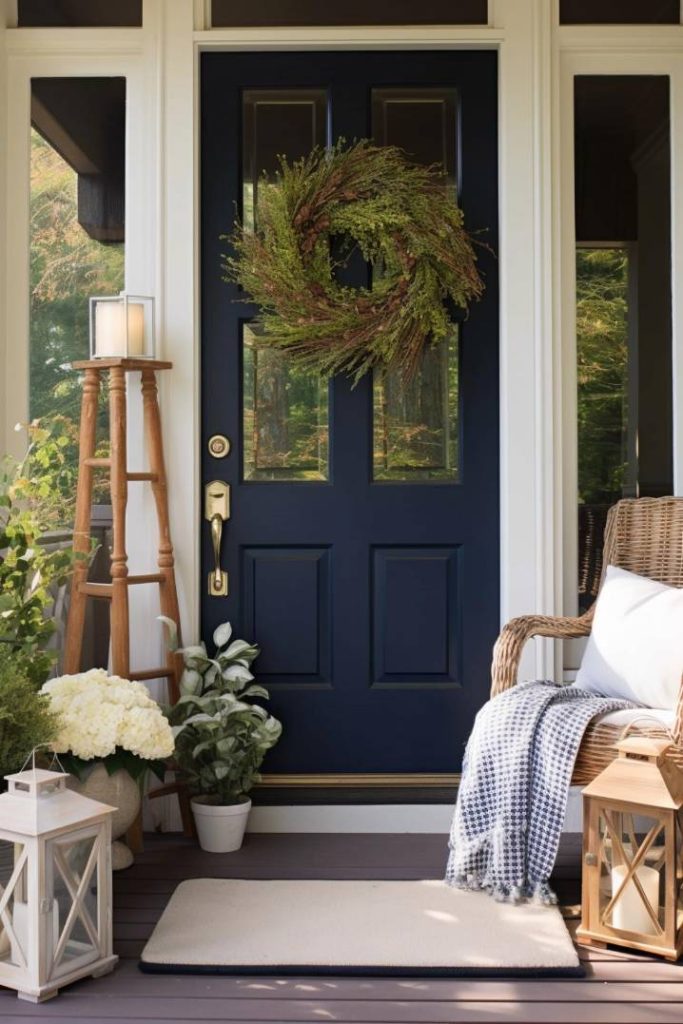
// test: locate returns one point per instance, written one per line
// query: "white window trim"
(601, 52)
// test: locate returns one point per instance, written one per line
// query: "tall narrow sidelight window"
(77, 238)
(623, 302)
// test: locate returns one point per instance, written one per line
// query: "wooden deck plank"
(619, 987)
(351, 1012)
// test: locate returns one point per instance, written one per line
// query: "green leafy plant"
(26, 721)
(221, 736)
(30, 492)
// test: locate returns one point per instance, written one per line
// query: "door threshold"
(352, 818)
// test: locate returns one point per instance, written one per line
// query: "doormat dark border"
(298, 971)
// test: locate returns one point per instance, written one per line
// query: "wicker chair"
(645, 536)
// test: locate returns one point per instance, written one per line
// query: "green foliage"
(405, 222)
(67, 266)
(31, 493)
(602, 367)
(121, 760)
(26, 721)
(221, 735)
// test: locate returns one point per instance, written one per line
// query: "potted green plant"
(221, 736)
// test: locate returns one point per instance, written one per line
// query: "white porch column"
(530, 512)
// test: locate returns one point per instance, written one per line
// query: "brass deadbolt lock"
(219, 446)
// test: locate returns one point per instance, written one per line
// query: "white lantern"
(55, 885)
(122, 327)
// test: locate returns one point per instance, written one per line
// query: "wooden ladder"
(116, 592)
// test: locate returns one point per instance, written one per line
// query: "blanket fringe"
(532, 892)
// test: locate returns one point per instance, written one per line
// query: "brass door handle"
(217, 512)
(216, 538)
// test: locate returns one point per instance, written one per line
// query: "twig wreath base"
(406, 223)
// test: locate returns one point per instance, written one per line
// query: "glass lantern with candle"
(122, 327)
(632, 864)
(55, 885)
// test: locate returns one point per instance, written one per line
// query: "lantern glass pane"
(71, 870)
(679, 870)
(14, 919)
(632, 872)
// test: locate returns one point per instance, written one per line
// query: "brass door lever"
(217, 512)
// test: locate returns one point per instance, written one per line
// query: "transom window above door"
(274, 13)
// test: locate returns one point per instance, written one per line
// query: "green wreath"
(406, 223)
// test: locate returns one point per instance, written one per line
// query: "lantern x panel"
(632, 864)
(77, 887)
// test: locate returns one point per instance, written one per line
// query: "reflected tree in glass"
(285, 416)
(416, 422)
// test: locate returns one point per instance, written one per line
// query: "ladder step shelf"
(151, 673)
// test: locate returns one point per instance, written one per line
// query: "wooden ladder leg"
(73, 641)
(168, 595)
(120, 633)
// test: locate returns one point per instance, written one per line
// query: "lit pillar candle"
(629, 912)
(110, 329)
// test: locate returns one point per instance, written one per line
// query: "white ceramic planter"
(220, 829)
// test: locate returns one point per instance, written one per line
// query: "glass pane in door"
(277, 122)
(416, 422)
(285, 409)
(285, 415)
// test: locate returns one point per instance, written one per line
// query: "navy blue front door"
(362, 549)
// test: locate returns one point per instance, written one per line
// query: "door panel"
(363, 545)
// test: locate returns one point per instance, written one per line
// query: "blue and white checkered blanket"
(513, 793)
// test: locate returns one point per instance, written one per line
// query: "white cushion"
(635, 650)
(640, 716)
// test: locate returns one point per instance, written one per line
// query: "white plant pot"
(220, 829)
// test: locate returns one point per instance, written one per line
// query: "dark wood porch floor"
(618, 987)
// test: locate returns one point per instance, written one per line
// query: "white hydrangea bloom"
(98, 713)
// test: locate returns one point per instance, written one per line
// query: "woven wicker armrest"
(509, 645)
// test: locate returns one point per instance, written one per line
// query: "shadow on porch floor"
(618, 987)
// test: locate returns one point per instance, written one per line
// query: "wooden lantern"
(632, 863)
(55, 892)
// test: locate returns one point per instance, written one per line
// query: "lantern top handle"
(643, 748)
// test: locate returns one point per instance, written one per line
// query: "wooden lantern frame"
(655, 786)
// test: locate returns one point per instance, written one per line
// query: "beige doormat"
(236, 926)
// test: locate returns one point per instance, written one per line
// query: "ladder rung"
(152, 477)
(96, 590)
(97, 463)
(151, 673)
(152, 577)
